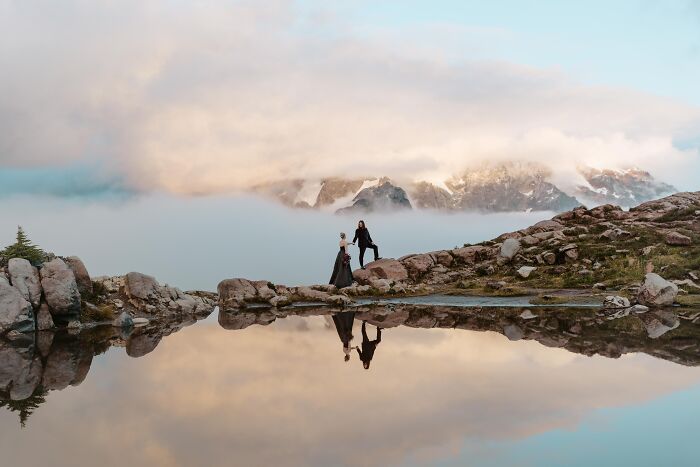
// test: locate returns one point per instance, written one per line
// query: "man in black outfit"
(368, 346)
(362, 234)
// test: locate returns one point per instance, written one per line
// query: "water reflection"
(264, 386)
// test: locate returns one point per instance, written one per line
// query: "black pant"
(362, 253)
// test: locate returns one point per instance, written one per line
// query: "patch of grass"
(679, 214)
(688, 300)
(97, 313)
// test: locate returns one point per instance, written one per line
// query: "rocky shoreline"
(646, 257)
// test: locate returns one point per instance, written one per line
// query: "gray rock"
(81, 274)
(16, 313)
(25, 278)
(528, 314)
(60, 290)
(615, 301)
(639, 308)
(234, 293)
(678, 239)
(138, 322)
(509, 248)
(513, 332)
(141, 286)
(124, 320)
(525, 271)
(656, 291)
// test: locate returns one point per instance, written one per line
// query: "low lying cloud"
(210, 97)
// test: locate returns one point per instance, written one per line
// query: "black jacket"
(364, 237)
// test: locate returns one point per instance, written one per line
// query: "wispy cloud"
(210, 97)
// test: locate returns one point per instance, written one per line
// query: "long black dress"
(342, 274)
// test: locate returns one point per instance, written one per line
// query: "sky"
(101, 98)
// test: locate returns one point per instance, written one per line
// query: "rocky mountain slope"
(498, 187)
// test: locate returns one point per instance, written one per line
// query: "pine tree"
(24, 408)
(23, 248)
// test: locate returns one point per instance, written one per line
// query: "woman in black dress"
(342, 274)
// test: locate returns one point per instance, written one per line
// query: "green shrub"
(23, 248)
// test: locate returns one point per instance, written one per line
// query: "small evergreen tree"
(26, 407)
(23, 248)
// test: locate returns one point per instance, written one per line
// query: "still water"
(444, 385)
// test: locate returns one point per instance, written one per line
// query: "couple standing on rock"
(342, 272)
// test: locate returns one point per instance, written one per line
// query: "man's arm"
(369, 238)
(357, 233)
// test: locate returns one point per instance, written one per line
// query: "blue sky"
(650, 45)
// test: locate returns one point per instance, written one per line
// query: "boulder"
(418, 265)
(471, 254)
(444, 258)
(390, 269)
(25, 278)
(570, 251)
(82, 278)
(16, 312)
(549, 257)
(678, 239)
(264, 291)
(312, 295)
(525, 271)
(234, 293)
(60, 290)
(509, 248)
(656, 291)
(615, 302)
(142, 343)
(140, 286)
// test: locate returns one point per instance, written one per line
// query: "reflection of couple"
(343, 324)
(342, 272)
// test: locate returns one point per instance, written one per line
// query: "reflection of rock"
(141, 343)
(60, 290)
(243, 319)
(15, 312)
(659, 323)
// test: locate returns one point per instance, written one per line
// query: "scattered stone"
(615, 301)
(570, 251)
(640, 308)
(138, 322)
(678, 239)
(527, 314)
(647, 250)
(509, 248)
(123, 321)
(656, 291)
(600, 286)
(525, 271)
(513, 332)
(549, 257)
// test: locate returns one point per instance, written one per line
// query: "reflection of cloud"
(273, 395)
(256, 91)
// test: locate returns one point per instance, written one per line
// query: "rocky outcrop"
(25, 278)
(16, 313)
(60, 290)
(389, 269)
(657, 291)
(678, 239)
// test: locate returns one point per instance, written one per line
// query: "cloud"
(213, 97)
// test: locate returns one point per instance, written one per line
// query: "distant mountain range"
(502, 187)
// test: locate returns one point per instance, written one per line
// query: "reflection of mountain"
(490, 187)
